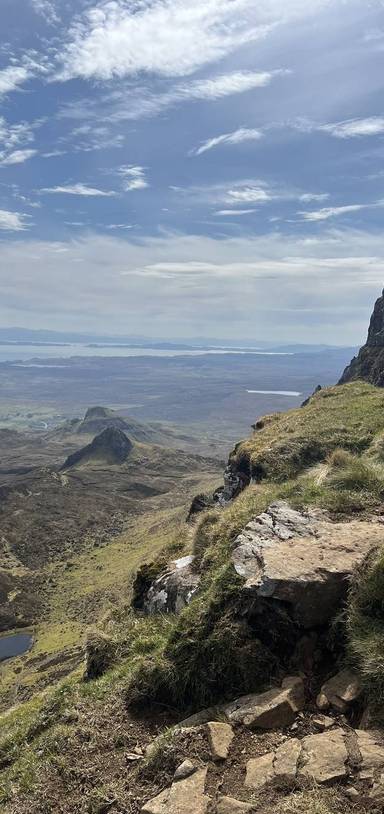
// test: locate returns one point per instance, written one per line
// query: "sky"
(175, 169)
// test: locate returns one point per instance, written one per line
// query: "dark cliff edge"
(369, 363)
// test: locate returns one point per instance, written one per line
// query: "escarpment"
(369, 364)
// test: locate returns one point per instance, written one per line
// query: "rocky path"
(267, 746)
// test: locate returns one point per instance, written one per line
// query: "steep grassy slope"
(284, 444)
(329, 454)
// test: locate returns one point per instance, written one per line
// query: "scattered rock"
(183, 797)
(260, 771)
(272, 709)
(227, 805)
(184, 770)
(371, 748)
(341, 690)
(323, 722)
(324, 756)
(173, 589)
(301, 559)
(286, 760)
(352, 793)
(202, 717)
(220, 737)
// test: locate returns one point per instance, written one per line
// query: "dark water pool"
(14, 645)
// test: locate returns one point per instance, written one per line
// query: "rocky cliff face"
(369, 364)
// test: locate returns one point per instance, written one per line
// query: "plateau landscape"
(191, 407)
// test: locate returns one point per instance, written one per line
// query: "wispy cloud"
(47, 9)
(133, 178)
(79, 189)
(351, 128)
(133, 103)
(236, 137)
(230, 212)
(307, 197)
(248, 194)
(335, 211)
(14, 135)
(17, 157)
(12, 77)
(12, 221)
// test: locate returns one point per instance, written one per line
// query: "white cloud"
(351, 128)
(236, 137)
(248, 194)
(139, 102)
(169, 38)
(193, 285)
(229, 212)
(12, 221)
(164, 37)
(334, 211)
(47, 9)
(79, 189)
(217, 87)
(17, 157)
(12, 77)
(133, 178)
(14, 135)
(307, 197)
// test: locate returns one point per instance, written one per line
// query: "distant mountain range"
(41, 337)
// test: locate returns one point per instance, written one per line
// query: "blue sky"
(175, 169)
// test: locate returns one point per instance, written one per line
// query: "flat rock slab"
(286, 760)
(220, 736)
(371, 748)
(183, 797)
(269, 710)
(302, 559)
(324, 757)
(228, 805)
(260, 771)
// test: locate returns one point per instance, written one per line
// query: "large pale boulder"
(183, 797)
(269, 710)
(302, 559)
(324, 757)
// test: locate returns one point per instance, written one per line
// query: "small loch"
(14, 645)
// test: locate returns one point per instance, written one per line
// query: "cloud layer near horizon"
(138, 287)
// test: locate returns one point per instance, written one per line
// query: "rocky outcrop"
(274, 708)
(173, 589)
(112, 446)
(301, 560)
(369, 364)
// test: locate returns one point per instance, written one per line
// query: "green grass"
(328, 454)
(365, 625)
(348, 416)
